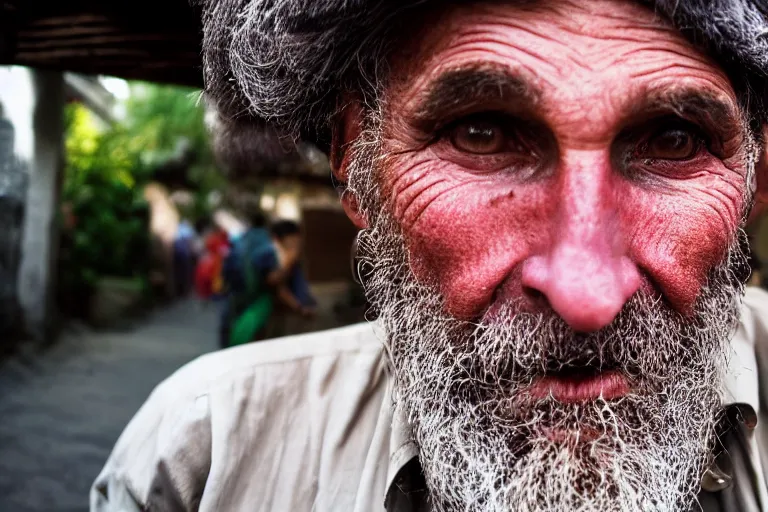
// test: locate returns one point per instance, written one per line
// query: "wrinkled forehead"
(590, 55)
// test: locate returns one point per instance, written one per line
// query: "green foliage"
(110, 234)
(159, 115)
(106, 169)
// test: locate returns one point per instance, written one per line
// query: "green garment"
(251, 321)
(252, 308)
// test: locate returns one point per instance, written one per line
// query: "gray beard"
(485, 447)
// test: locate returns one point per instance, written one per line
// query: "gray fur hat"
(283, 63)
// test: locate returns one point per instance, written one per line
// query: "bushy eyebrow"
(700, 106)
(460, 89)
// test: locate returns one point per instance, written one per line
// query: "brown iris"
(672, 144)
(478, 137)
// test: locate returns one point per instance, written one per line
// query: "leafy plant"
(105, 172)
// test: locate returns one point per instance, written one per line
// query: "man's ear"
(347, 127)
(761, 177)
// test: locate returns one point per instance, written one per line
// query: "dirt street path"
(62, 411)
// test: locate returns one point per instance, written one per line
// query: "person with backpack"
(262, 268)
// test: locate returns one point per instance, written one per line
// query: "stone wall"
(33, 104)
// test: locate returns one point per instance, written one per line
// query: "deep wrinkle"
(580, 231)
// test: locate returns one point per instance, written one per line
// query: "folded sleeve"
(161, 460)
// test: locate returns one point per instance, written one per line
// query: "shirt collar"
(401, 443)
(406, 489)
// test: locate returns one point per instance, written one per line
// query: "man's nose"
(585, 272)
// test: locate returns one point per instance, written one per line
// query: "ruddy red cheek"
(470, 238)
(679, 241)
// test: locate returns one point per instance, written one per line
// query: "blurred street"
(61, 411)
(113, 201)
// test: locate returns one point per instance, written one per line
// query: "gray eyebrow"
(460, 88)
(701, 106)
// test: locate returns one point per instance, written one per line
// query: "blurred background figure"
(264, 281)
(293, 293)
(184, 257)
(209, 280)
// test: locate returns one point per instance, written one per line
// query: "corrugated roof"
(153, 40)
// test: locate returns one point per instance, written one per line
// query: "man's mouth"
(575, 387)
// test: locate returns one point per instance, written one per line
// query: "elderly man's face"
(554, 192)
(564, 157)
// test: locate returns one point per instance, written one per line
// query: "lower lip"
(574, 389)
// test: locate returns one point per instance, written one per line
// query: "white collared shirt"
(306, 423)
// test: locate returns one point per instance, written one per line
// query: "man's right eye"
(478, 137)
(492, 141)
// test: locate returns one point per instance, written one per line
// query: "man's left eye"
(672, 144)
